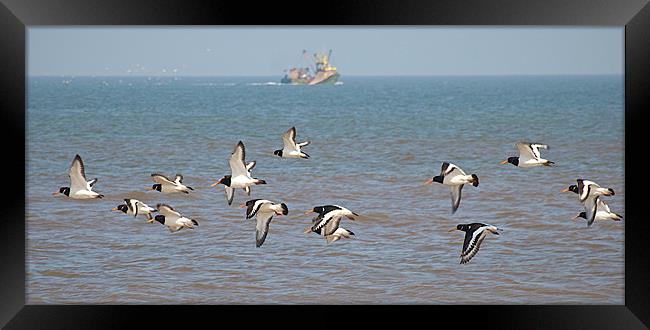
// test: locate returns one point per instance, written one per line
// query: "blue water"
(374, 141)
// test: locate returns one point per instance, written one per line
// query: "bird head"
(572, 188)
(121, 207)
(63, 190)
(160, 218)
(511, 160)
(316, 209)
(225, 180)
(285, 209)
(459, 227)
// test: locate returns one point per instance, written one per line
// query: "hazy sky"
(259, 51)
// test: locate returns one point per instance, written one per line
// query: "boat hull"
(321, 78)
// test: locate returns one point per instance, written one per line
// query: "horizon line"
(347, 75)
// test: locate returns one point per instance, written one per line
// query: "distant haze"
(261, 51)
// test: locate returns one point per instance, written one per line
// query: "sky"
(356, 51)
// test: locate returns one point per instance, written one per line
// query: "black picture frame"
(17, 15)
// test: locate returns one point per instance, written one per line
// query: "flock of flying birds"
(327, 221)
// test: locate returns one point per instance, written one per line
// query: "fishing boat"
(324, 73)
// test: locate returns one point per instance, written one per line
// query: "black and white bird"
(475, 233)
(165, 185)
(172, 219)
(589, 193)
(79, 188)
(602, 213)
(291, 149)
(240, 174)
(454, 177)
(529, 156)
(134, 207)
(263, 210)
(326, 223)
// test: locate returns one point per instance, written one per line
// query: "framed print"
(453, 158)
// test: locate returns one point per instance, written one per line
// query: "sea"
(374, 142)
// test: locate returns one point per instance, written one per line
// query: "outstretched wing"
(327, 225)
(254, 207)
(302, 144)
(161, 179)
(455, 197)
(262, 227)
(168, 212)
(78, 175)
(289, 139)
(591, 204)
(449, 169)
(250, 165)
(230, 194)
(472, 244)
(237, 161)
(602, 206)
(132, 204)
(536, 146)
(530, 150)
(585, 187)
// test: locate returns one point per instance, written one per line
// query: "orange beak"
(504, 162)
(114, 209)
(216, 183)
(55, 193)
(309, 211)
(565, 190)
(428, 181)
(452, 229)
(242, 206)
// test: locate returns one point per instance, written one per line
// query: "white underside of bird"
(83, 194)
(290, 148)
(240, 177)
(174, 220)
(455, 178)
(530, 156)
(168, 186)
(263, 210)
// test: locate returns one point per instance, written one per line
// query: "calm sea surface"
(375, 140)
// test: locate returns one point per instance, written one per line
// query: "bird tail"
(100, 196)
(549, 163)
(195, 222)
(475, 180)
